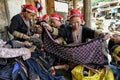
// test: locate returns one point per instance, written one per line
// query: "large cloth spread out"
(87, 53)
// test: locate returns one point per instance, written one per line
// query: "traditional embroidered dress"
(19, 26)
(66, 33)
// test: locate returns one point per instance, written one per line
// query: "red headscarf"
(38, 18)
(56, 16)
(30, 8)
(45, 17)
(75, 12)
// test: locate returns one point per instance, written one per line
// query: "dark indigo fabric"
(34, 68)
(18, 73)
(5, 72)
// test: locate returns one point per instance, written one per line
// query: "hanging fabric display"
(38, 5)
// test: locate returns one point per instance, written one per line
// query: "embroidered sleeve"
(97, 33)
(18, 34)
(60, 40)
(10, 53)
(55, 31)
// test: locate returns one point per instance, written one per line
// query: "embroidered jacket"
(18, 27)
(66, 33)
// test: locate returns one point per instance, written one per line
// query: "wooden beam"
(50, 7)
(30, 2)
(74, 4)
(87, 12)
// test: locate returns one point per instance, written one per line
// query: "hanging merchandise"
(38, 5)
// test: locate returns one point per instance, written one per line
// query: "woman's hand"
(47, 26)
(32, 49)
(27, 43)
(35, 35)
(25, 36)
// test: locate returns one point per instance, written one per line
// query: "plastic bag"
(102, 74)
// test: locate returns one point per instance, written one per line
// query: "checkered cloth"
(88, 53)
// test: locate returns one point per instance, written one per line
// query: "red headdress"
(30, 8)
(56, 16)
(45, 17)
(75, 12)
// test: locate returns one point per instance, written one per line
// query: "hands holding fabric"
(47, 26)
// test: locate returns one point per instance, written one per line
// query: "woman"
(20, 23)
(75, 32)
(114, 48)
(45, 18)
(114, 40)
(56, 23)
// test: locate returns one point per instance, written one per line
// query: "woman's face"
(55, 23)
(75, 22)
(116, 38)
(29, 15)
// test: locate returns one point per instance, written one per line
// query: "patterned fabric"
(88, 53)
(34, 68)
(10, 53)
(14, 44)
(18, 34)
(36, 41)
